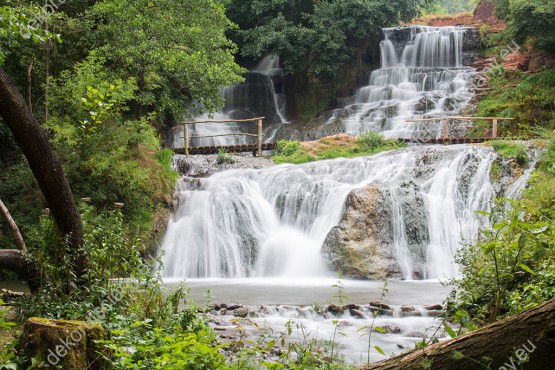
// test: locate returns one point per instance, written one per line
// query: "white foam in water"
(278, 300)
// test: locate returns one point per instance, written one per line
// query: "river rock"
(380, 305)
(358, 314)
(391, 329)
(435, 307)
(359, 246)
(407, 309)
(241, 312)
(335, 309)
(380, 311)
(432, 313)
(8, 295)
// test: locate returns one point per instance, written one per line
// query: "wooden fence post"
(494, 129)
(259, 138)
(186, 137)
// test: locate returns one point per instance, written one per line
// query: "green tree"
(108, 158)
(532, 19)
(456, 6)
(177, 52)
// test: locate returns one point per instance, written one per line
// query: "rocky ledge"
(207, 165)
(223, 312)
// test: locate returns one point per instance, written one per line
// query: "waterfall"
(273, 221)
(261, 95)
(269, 66)
(422, 74)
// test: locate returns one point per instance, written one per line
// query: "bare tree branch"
(13, 227)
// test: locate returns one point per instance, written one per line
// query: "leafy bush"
(515, 150)
(527, 99)
(223, 157)
(148, 328)
(291, 152)
(510, 268)
(287, 148)
(107, 157)
(373, 142)
(529, 19)
(158, 349)
(507, 258)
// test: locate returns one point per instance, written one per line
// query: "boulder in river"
(359, 246)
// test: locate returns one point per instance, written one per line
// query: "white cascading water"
(269, 66)
(421, 75)
(256, 97)
(273, 222)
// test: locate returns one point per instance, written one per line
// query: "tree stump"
(67, 344)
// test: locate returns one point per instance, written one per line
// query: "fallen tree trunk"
(44, 164)
(526, 340)
(13, 260)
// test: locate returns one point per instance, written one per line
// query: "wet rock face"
(472, 39)
(358, 247)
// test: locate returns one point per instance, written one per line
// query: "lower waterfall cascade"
(273, 221)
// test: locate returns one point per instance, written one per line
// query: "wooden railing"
(444, 121)
(259, 135)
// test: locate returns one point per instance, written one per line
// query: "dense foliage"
(532, 19)
(108, 158)
(313, 36)
(176, 51)
(450, 6)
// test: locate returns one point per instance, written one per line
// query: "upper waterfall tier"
(422, 73)
(261, 95)
(273, 222)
